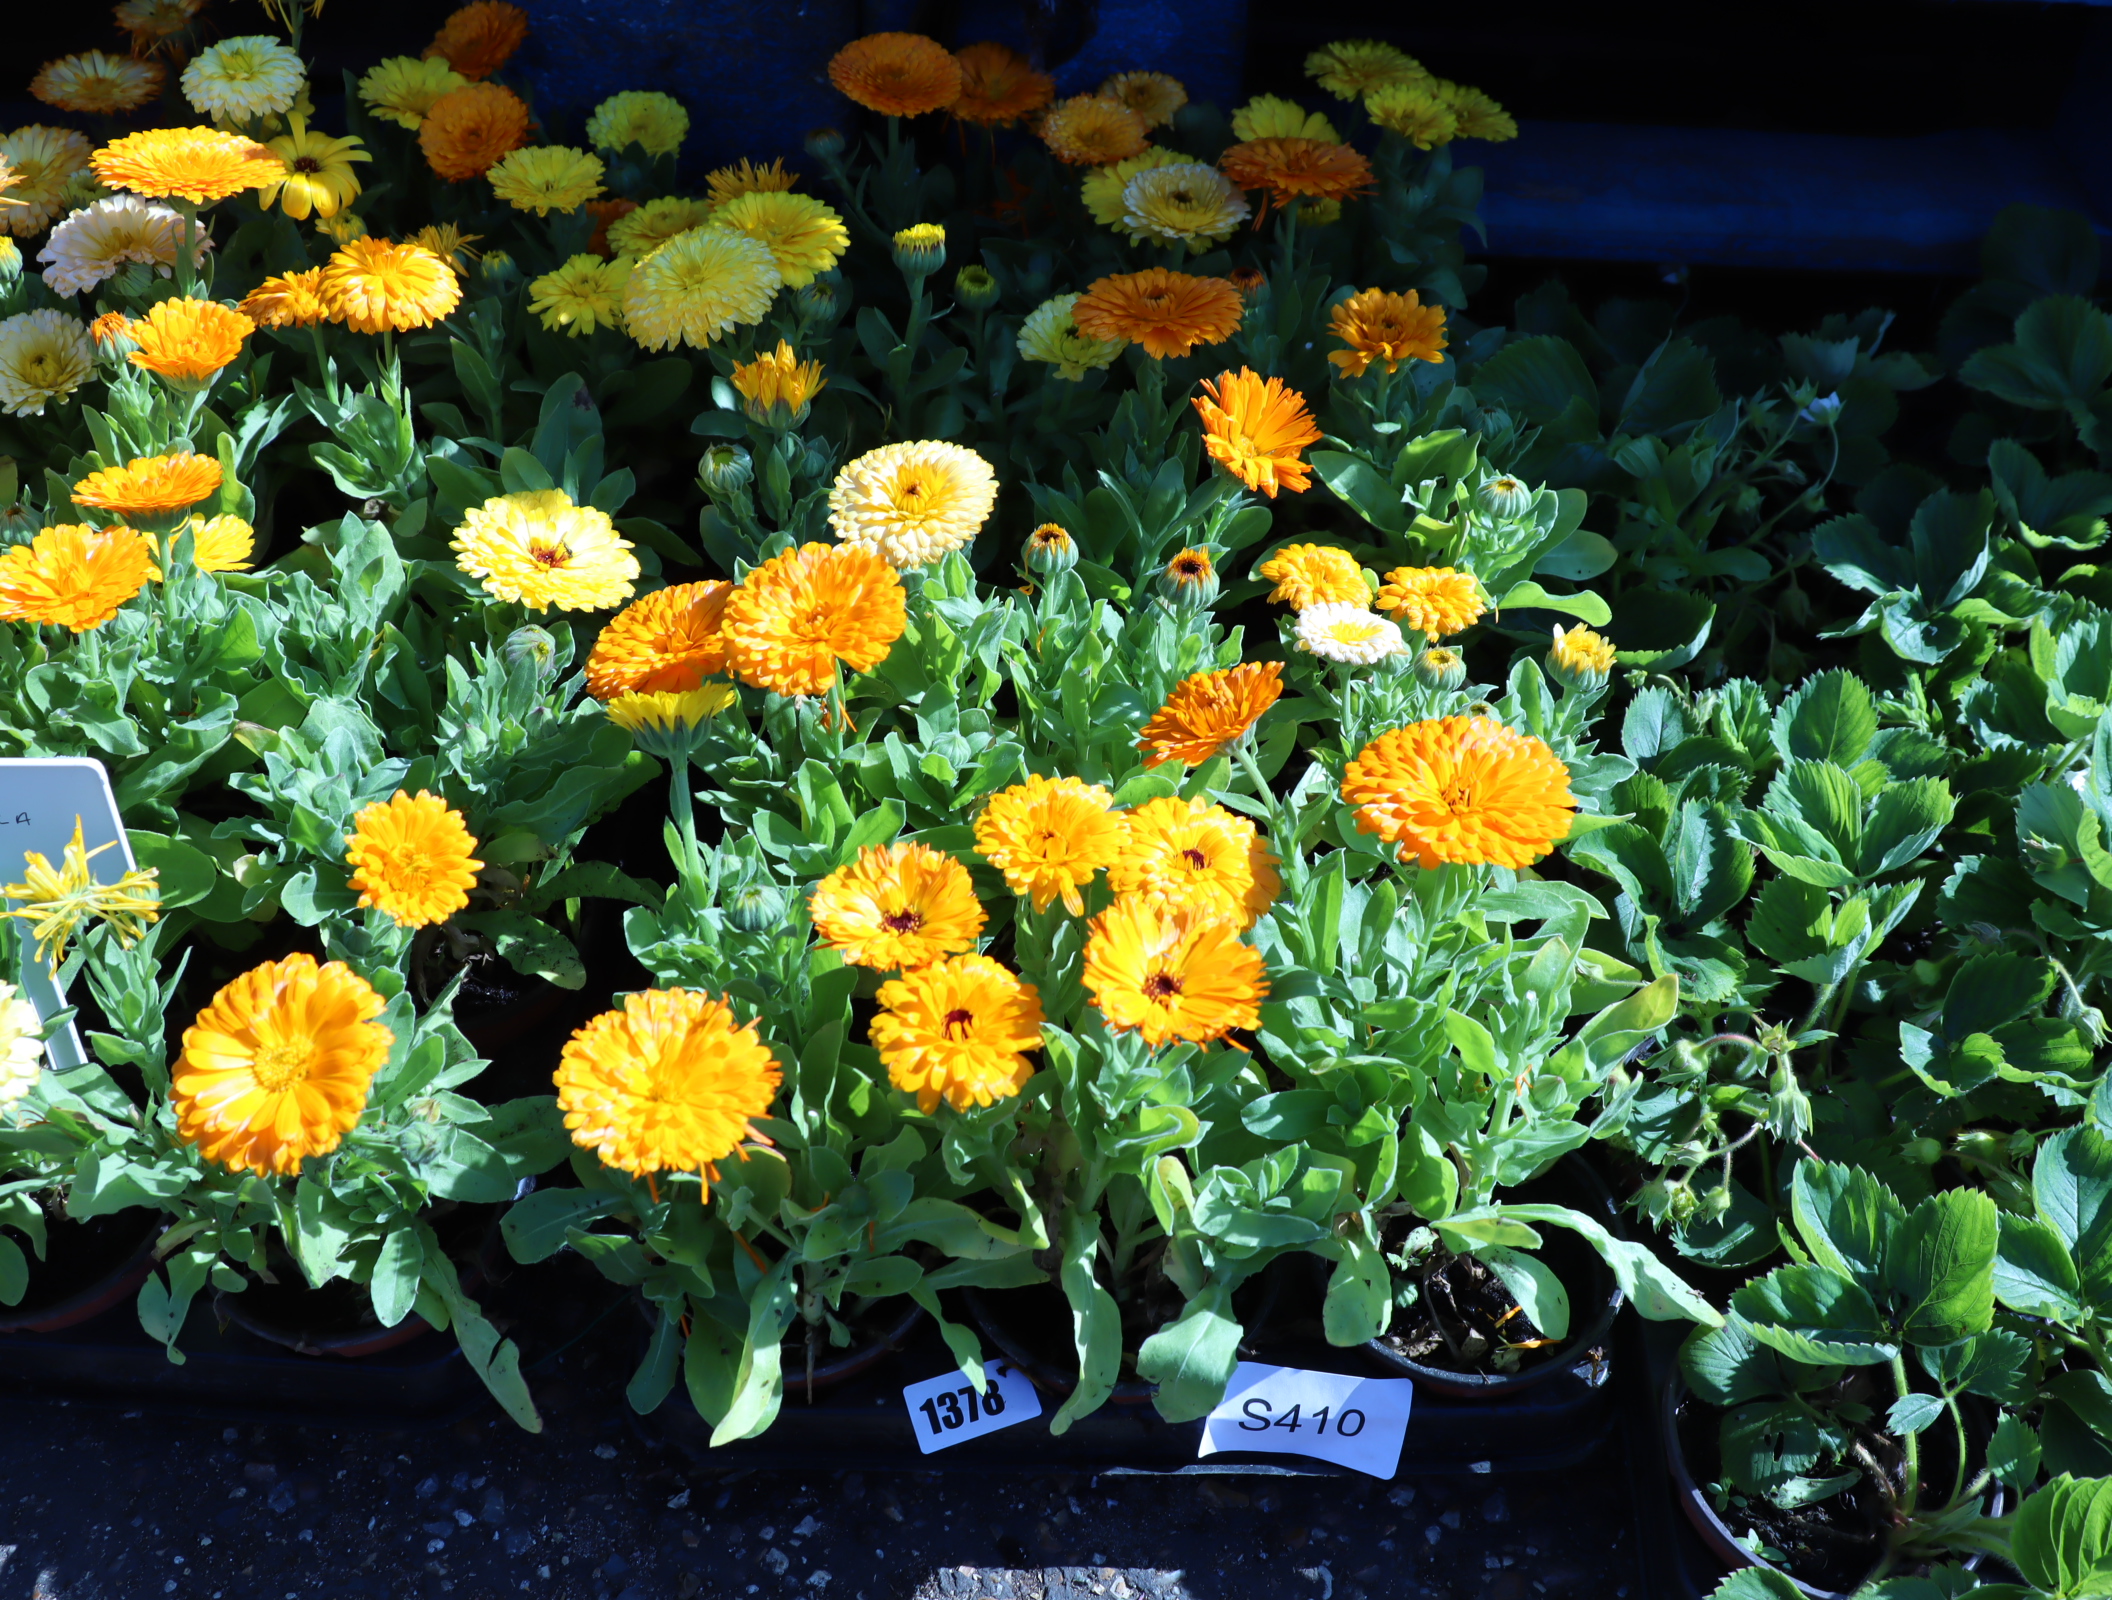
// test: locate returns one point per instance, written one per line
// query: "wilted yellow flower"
(1415, 111)
(1102, 188)
(745, 177)
(56, 901)
(1269, 116)
(1050, 335)
(1350, 69)
(1154, 96)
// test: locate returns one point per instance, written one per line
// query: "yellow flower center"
(1459, 796)
(42, 369)
(281, 1066)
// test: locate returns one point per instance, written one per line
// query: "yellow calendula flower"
(44, 356)
(277, 1067)
(448, 242)
(654, 716)
(804, 237)
(747, 177)
(794, 619)
(200, 165)
(1380, 325)
(1478, 116)
(292, 300)
(1172, 974)
(697, 286)
(1049, 334)
(95, 83)
(402, 89)
(57, 901)
(958, 1030)
(1103, 187)
(1198, 856)
(1269, 116)
(1188, 203)
(1415, 111)
(373, 286)
(148, 486)
(656, 123)
(412, 857)
(96, 243)
(584, 294)
(537, 548)
(41, 162)
(670, 1083)
(1048, 836)
(1579, 657)
(913, 502)
(898, 907)
(1350, 69)
(1438, 601)
(777, 387)
(188, 342)
(319, 178)
(640, 232)
(546, 178)
(243, 79)
(1312, 575)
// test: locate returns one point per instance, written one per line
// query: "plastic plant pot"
(89, 1267)
(891, 1327)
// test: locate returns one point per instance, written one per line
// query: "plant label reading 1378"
(947, 1410)
(1354, 1422)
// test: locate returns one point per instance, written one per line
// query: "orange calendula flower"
(1172, 974)
(291, 300)
(372, 285)
(411, 856)
(797, 615)
(1209, 711)
(958, 1031)
(898, 907)
(777, 386)
(1298, 169)
(1379, 325)
(1048, 836)
(480, 38)
(196, 164)
(1255, 427)
(72, 576)
(1438, 601)
(999, 86)
(1314, 575)
(605, 212)
(1091, 130)
(150, 485)
(671, 1083)
(1461, 789)
(97, 84)
(277, 1067)
(1190, 854)
(897, 74)
(669, 641)
(188, 341)
(469, 128)
(1169, 313)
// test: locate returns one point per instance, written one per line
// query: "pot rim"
(860, 1356)
(1716, 1533)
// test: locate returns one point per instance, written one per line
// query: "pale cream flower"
(44, 356)
(94, 244)
(244, 79)
(1348, 633)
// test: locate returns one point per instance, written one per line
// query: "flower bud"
(921, 250)
(1823, 410)
(498, 268)
(531, 644)
(1251, 282)
(725, 469)
(1190, 581)
(975, 286)
(10, 262)
(824, 144)
(1050, 550)
(754, 908)
(1924, 1152)
(820, 302)
(1439, 668)
(1505, 498)
(1579, 659)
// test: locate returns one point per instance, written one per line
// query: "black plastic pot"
(1587, 1355)
(894, 1331)
(1716, 1534)
(88, 1267)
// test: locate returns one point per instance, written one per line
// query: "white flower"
(1050, 335)
(95, 242)
(1189, 202)
(44, 356)
(242, 79)
(911, 503)
(1338, 631)
(21, 1051)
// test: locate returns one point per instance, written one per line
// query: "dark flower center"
(1195, 859)
(902, 921)
(958, 1018)
(306, 164)
(1162, 986)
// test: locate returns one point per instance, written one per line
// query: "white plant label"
(39, 802)
(948, 1409)
(1354, 1422)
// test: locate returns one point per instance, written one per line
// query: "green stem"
(1957, 1421)
(683, 803)
(1911, 1494)
(186, 268)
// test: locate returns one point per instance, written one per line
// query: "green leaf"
(2061, 1539)
(1654, 1289)
(2013, 1452)
(655, 1378)
(1811, 1314)
(530, 946)
(758, 1387)
(1426, 1177)
(1096, 1321)
(1911, 1413)
(1727, 1365)
(1844, 1216)
(1941, 1264)
(397, 1271)
(2072, 1183)
(1537, 378)
(536, 1225)
(1757, 1583)
(1660, 629)
(1359, 1302)
(1903, 823)
(1989, 990)
(2034, 1272)
(1582, 603)
(14, 1272)
(1538, 1291)
(1191, 1359)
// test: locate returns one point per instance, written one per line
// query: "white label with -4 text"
(1352, 1421)
(948, 1410)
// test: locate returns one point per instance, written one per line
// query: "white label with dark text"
(947, 1410)
(1354, 1422)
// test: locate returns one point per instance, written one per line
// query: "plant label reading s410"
(1354, 1422)
(947, 1410)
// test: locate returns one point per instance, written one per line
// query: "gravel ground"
(99, 1504)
